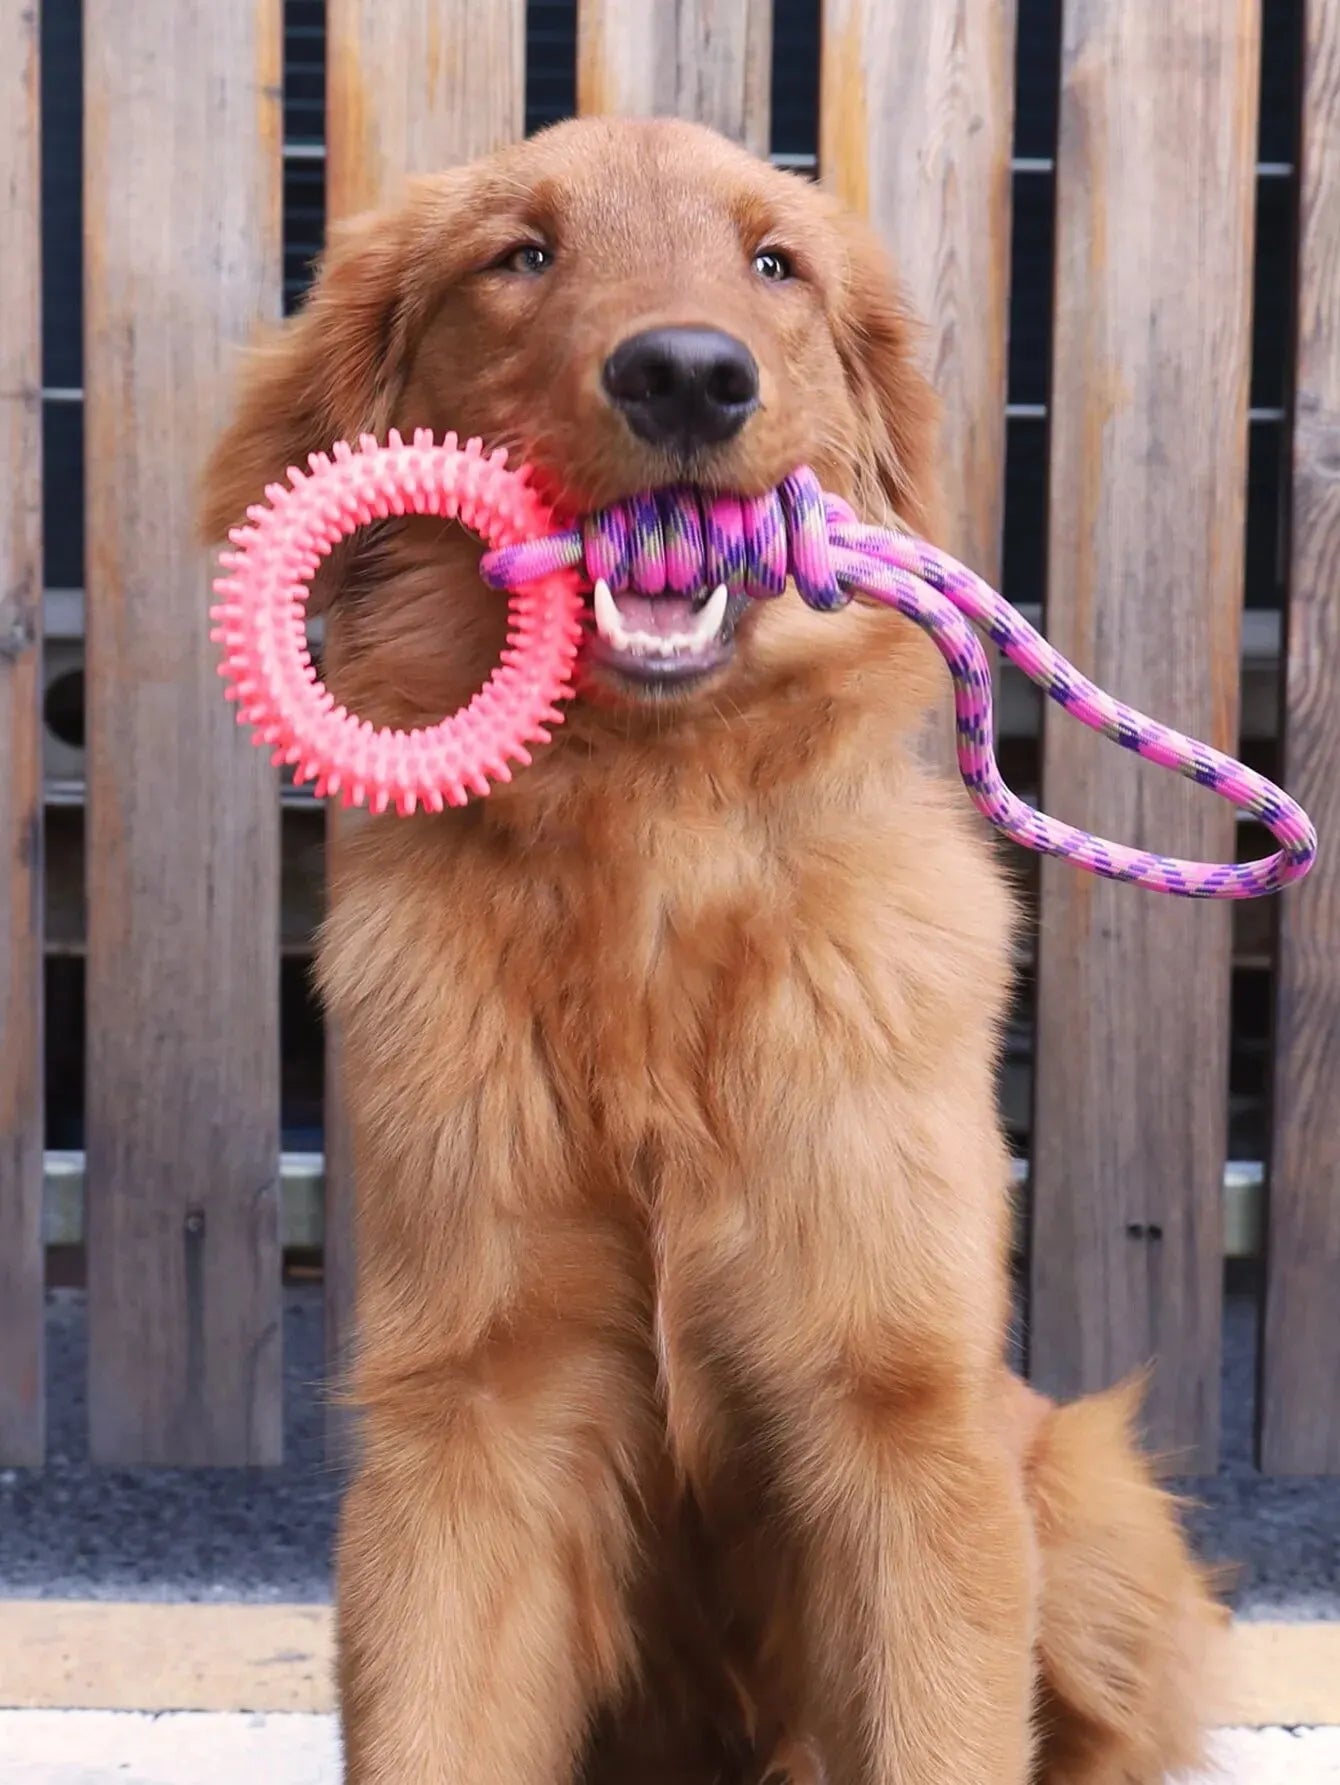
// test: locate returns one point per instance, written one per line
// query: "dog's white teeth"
(608, 624)
(707, 623)
(713, 616)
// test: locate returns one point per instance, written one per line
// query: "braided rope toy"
(679, 541)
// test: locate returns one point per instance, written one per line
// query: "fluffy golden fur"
(689, 1452)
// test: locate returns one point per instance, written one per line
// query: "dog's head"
(624, 305)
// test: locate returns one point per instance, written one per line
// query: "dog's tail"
(1130, 1634)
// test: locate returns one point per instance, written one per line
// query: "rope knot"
(686, 541)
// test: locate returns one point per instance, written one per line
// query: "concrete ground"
(123, 1748)
(262, 1538)
(76, 1532)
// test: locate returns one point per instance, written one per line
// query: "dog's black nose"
(683, 387)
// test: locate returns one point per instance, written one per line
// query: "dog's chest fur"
(657, 980)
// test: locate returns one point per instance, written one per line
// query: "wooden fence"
(1149, 409)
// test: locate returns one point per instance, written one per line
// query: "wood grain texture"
(709, 60)
(182, 257)
(915, 126)
(422, 85)
(1155, 178)
(1300, 1378)
(21, 1263)
(416, 86)
(339, 1242)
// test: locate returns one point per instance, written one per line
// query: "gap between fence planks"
(1155, 188)
(182, 256)
(21, 1114)
(1299, 1405)
(410, 89)
(708, 60)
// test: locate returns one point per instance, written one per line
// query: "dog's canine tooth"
(712, 617)
(608, 623)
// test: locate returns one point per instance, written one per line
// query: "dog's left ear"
(327, 373)
(336, 368)
(880, 344)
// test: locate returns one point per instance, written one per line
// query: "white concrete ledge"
(101, 1655)
(214, 1748)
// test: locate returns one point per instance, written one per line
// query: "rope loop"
(684, 541)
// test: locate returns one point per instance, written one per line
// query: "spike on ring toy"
(687, 542)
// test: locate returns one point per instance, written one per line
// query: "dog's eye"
(529, 257)
(771, 263)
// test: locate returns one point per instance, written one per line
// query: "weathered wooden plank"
(339, 1240)
(21, 1349)
(1300, 1377)
(182, 208)
(710, 60)
(1148, 464)
(417, 86)
(915, 126)
(410, 88)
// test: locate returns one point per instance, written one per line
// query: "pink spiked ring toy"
(261, 624)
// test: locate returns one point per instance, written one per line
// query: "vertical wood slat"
(21, 1263)
(709, 60)
(1155, 174)
(182, 257)
(915, 128)
(1299, 1404)
(414, 87)
(410, 88)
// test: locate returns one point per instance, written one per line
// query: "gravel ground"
(98, 1747)
(72, 1531)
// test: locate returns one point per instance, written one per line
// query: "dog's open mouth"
(657, 639)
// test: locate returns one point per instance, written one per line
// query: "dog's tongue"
(661, 615)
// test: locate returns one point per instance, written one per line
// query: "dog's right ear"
(331, 372)
(880, 344)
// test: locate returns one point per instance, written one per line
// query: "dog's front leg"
(911, 1627)
(916, 1617)
(484, 1553)
(854, 1328)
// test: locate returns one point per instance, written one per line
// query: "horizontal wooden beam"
(302, 1202)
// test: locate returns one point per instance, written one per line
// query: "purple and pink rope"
(682, 541)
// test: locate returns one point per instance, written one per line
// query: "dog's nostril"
(733, 381)
(683, 387)
(644, 380)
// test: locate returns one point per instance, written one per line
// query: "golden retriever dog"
(688, 1449)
